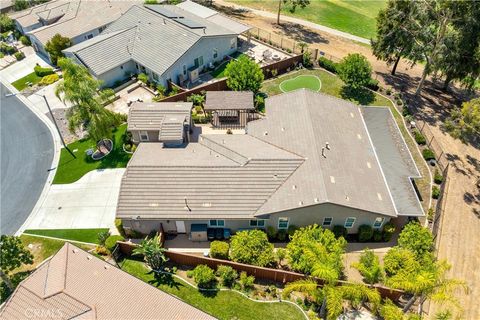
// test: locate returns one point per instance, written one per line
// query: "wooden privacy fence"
(277, 275)
(281, 66)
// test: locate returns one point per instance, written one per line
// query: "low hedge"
(419, 137)
(377, 235)
(365, 233)
(428, 154)
(42, 72)
(19, 55)
(328, 64)
(339, 231)
(435, 192)
(388, 231)
(203, 276)
(219, 249)
(437, 177)
(48, 80)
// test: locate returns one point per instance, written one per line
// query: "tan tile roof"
(73, 284)
(229, 100)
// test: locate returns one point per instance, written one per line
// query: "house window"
(378, 222)
(136, 65)
(232, 43)
(89, 36)
(155, 76)
(349, 222)
(198, 61)
(282, 223)
(215, 53)
(327, 221)
(184, 70)
(217, 223)
(257, 223)
(102, 28)
(143, 136)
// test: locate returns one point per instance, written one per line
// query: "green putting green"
(304, 81)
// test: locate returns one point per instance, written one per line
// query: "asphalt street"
(27, 151)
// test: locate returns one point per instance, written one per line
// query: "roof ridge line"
(218, 144)
(274, 145)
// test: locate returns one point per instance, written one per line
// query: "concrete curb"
(56, 155)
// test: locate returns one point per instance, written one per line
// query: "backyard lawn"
(21, 83)
(332, 85)
(82, 235)
(70, 170)
(355, 17)
(220, 71)
(220, 304)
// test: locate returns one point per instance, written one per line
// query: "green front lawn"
(21, 83)
(355, 17)
(220, 304)
(83, 235)
(70, 170)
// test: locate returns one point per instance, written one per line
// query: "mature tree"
(355, 71)
(6, 23)
(12, 255)
(244, 74)
(332, 297)
(314, 250)
(417, 239)
(392, 40)
(252, 247)
(464, 123)
(369, 267)
(292, 6)
(81, 89)
(397, 259)
(55, 46)
(153, 253)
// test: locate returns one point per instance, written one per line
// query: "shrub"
(377, 235)
(369, 267)
(142, 77)
(435, 192)
(388, 91)
(25, 40)
(280, 254)
(365, 233)
(327, 64)
(246, 281)
(251, 247)
(227, 274)
(111, 242)
(282, 235)
(5, 48)
(307, 59)
(101, 251)
(437, 177)
(373, 85)
(204, 276)
(339, 231)
(102, 237)
(119, 226)
(291, 230)
(19, 55)
(48, 80)
(430, 214)
(271, 232)
(398, 259)
(355, 70)
(419, 137)
(42, 72)
(219, 249)
(428, 154)
(388, 231)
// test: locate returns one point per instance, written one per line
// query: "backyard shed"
(230, 109)
(198, 232)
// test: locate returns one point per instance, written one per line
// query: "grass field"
(355, 17)
(304, 81)
(21, 83)
(83, 235)
(70, 170)
(220, 304)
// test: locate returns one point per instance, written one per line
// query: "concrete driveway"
(27, 151)
(88, 203)
(21, 68)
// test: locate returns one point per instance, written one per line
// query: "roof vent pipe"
(164, 21)
(327, 145)
(323, 153)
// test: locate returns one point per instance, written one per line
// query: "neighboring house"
(230, 109)
(74, 284)
(165, 42)
(6, 6)
(78, 20)
(166, 122)
(313, 159)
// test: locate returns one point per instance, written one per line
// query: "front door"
(180, 226)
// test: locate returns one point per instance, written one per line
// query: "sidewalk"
(90, 202)
(318, 27)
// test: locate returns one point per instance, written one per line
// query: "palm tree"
(153, 252)
(81, 90)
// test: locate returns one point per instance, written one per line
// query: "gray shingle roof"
(156, 42)
(229, 100)
(167, 117)
(74, 284)
(395, 158)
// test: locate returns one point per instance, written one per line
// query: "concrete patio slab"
(88, 203)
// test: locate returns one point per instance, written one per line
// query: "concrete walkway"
(318, 27)
(88, 203)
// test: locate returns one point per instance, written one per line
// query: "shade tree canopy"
(244, 74)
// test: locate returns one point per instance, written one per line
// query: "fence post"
(281, 43)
